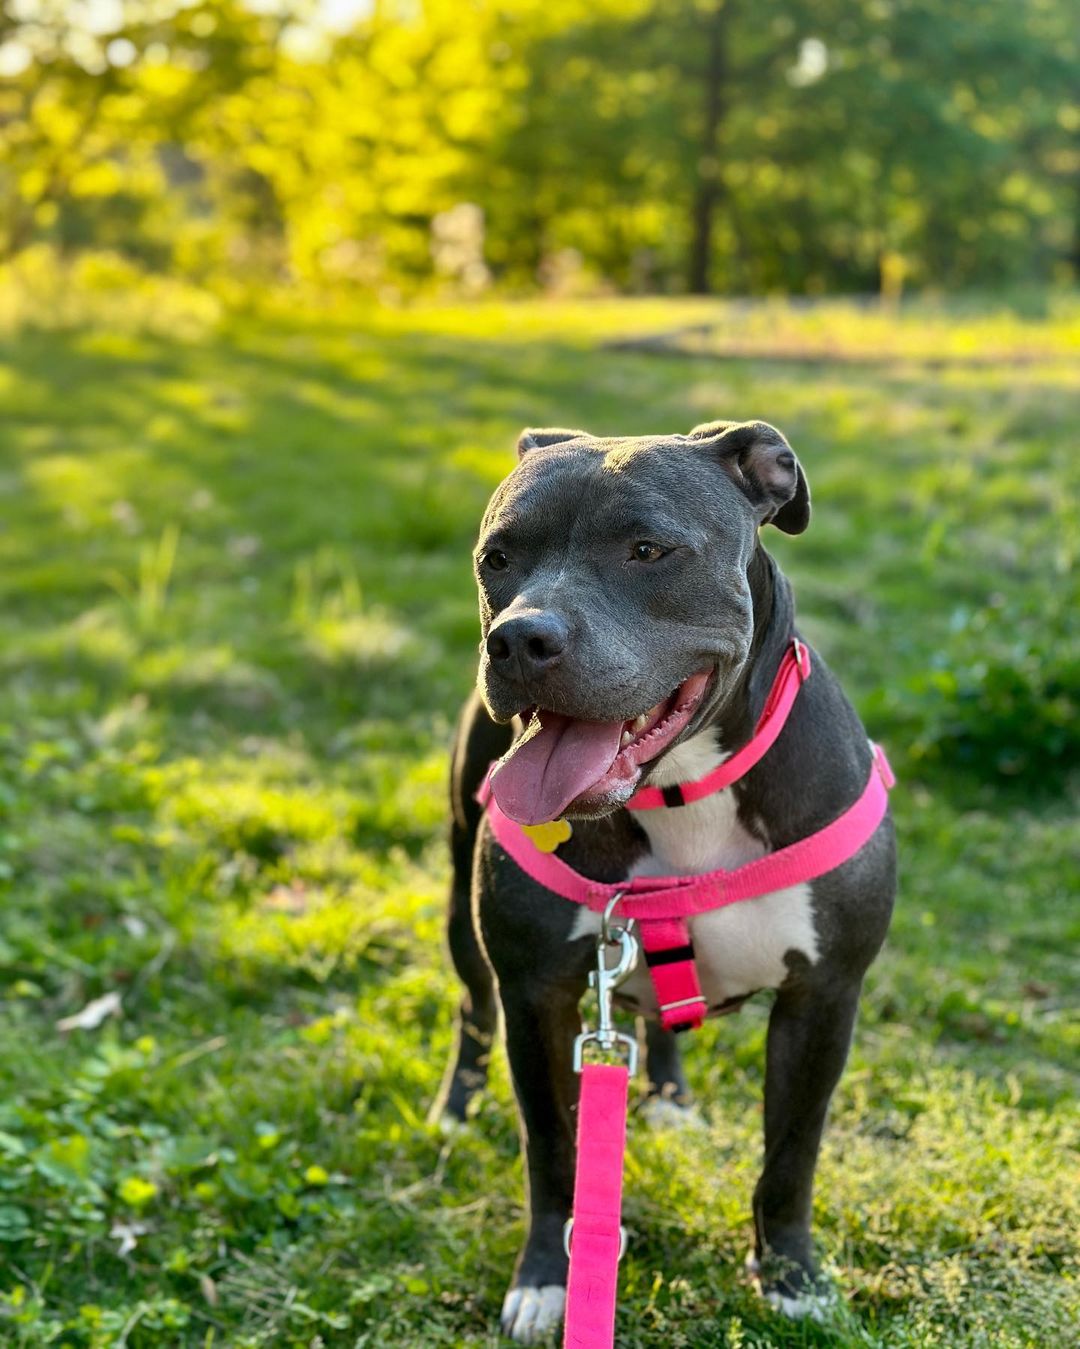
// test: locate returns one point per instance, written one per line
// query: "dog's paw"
(818, 1306)
(662, 1113)
(530, 1315)
(816, 1302)
(449, 1124)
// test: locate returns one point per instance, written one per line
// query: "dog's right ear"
(539, 438)
(763, 466)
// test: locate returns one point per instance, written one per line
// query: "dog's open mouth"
(559, 762)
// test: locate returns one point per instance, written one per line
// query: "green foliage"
(844, 145)
(236, 620)
(1002, 699)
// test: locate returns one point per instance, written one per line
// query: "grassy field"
(236, 620)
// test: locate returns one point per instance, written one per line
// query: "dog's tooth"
(639, 723)
(625, 739)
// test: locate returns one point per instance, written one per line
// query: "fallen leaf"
(93, 1014)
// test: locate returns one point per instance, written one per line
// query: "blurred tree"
(801, 146)
(797, 145)
(99, 129)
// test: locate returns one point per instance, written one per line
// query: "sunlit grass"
(236, 621)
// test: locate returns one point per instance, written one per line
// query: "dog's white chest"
(740, 948)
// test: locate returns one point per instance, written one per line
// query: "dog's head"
(614, 600)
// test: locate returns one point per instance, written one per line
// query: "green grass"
(236, 620)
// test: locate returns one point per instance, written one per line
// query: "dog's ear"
(763, 465)
(538, 438)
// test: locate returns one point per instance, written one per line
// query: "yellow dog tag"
(547, 837)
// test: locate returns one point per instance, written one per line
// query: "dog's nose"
(528, 645)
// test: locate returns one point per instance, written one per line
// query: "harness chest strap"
(669, 957)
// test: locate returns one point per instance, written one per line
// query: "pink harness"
(659, 907)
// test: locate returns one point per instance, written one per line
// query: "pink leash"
(596, 1239)
(594, 1236)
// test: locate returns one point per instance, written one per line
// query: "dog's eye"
(496, 560)
(646, 551)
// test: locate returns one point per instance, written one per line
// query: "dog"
(632, 627)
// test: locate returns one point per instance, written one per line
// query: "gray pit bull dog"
(632, 627)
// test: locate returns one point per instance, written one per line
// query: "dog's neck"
(774, 624)
(709, 833)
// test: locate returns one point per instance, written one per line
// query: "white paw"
(530, 1314)
(818, 1306)
(449, 1125)
(806, 1306)
(662, 1113)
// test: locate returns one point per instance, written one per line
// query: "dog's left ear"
(765, 468)
(539, 438)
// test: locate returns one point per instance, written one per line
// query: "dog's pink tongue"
(554, 761)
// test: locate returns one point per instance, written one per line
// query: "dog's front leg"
(808, 1041)
(541, 1023)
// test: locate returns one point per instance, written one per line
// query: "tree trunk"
(709, 190)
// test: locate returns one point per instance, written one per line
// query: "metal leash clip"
(568, 1236)
(605, 979)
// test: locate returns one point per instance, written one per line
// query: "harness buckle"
(682, 1002)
